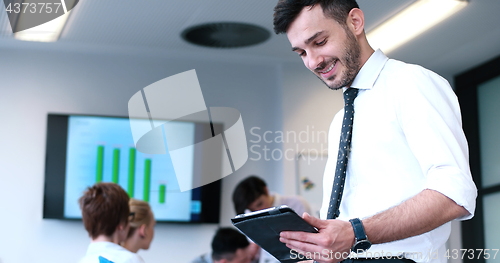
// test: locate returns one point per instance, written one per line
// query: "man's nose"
(315, 61)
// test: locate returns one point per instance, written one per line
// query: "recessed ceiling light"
(33, 21)
(225, 35)
(47, 32)
(412, 21)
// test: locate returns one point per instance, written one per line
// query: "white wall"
(308, 108)
(36, 81)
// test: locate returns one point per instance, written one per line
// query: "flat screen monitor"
(84, 150)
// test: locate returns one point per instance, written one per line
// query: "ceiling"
(464, 40)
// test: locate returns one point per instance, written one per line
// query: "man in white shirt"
(407, 171)
(105, 213)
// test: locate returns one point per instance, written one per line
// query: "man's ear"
(121, 226)
(356, 21)
(142, 230)
(266, 190)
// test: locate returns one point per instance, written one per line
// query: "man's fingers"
(313, 221)
(300, 246)
(305, 236)
(299, 236)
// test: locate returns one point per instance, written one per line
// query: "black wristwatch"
(361, 243)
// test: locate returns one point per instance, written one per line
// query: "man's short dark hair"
(286, 11)
(225, 243)
(104, 206)
(246, 192)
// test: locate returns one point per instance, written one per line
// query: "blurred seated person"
(228, 246)
(105, 214)
(142, 223)
(252, 194)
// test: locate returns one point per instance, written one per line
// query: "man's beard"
(350, 60)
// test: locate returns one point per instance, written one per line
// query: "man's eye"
(303, 53)
(321, 43)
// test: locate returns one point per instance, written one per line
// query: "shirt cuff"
(456, 185)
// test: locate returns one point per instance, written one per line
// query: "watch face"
(361, 246)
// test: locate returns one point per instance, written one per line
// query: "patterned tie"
(344, 147)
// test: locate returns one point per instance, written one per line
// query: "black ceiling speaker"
(225, 35)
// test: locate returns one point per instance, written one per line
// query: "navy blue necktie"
(344, 147)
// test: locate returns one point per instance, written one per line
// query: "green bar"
(116, 164)
(131, 172)
(100, 160)
(162, 193)
(147, 179)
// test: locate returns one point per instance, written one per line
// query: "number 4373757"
(33, 8)
(471, 253)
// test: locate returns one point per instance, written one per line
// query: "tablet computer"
(264, 226)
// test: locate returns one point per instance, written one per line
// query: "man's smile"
(329, 71)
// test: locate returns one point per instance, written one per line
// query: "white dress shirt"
(407, 137)
(110, 251)
(295, 202)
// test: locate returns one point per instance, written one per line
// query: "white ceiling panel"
(464, 40)
(377, 11)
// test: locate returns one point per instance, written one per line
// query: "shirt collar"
(369, 72)
(98, 247)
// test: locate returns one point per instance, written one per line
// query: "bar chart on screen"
(117, 172)
(101, 149)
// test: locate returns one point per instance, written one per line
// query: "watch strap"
(359, 230)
